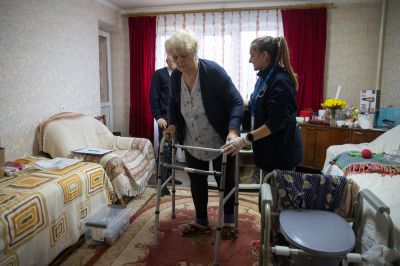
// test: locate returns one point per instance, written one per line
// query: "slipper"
(228, 232)
(255, 247)
(193, 229)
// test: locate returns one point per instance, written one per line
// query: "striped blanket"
(350, 163)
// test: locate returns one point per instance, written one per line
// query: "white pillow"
(388, 142)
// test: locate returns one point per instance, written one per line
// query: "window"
(224, 37)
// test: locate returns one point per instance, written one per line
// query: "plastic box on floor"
(106, 224)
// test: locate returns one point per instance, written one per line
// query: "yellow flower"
(306, 184)
(335, 180)
(281, 193)
(334, 103)
(329, 198)
(289, 178)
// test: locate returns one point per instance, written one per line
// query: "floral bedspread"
(42, 212)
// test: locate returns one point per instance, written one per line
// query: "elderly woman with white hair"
(205, 110)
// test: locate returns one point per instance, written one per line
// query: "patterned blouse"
(199, 131)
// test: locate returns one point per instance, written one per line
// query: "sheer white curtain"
(225, 38)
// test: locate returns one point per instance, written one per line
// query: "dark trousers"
(199, 183)
(167, 155)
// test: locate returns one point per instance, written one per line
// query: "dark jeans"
(199, 184)
(167, 155)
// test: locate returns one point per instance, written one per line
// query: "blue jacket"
(159, 93)
(222, 101)
(277, 109)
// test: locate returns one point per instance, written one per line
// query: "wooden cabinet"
(317, 138)
(362, 136)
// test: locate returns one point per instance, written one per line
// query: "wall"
(49, 58)
(391, 57)
(111, 21)
(352, 50)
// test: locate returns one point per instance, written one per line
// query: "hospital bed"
(384, 186)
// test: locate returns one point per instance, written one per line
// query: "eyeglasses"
(182, 57)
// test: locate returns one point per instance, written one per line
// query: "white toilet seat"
(318, 232)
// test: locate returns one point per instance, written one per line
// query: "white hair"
(182, 40)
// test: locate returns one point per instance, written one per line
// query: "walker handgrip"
(167, 136)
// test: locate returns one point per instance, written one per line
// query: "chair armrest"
(122, 143)
(266, 195)
(128, 143)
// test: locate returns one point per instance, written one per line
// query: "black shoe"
(177, 182)
(165, 191)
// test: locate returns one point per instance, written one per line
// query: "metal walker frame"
(222, 200)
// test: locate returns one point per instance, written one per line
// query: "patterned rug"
(135, 245)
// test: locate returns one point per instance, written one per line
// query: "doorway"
(105, 78)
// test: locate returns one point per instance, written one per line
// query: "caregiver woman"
(276, 137)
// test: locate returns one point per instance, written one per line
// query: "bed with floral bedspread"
(41, 212)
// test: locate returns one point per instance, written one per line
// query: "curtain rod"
(307, 6)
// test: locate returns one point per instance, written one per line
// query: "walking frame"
(222, 200)
(269, 220)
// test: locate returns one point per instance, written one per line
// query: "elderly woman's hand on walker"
(169, 132)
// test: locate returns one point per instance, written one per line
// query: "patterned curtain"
(224, 37)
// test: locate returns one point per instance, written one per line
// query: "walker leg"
(219, 227)
(173, 214)
(157, 213)
(236, 210)
(158, 198)
(220, 211)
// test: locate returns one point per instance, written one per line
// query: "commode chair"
(319, 232)
(301, 207)
(222, 200)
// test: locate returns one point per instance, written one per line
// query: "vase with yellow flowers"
(332, 105)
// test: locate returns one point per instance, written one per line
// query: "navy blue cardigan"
(277, 109)
(222, 101)
(159, 93)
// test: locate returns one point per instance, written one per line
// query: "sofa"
(130, 164)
